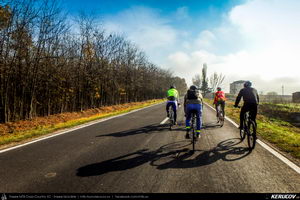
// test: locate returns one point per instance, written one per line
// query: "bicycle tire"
(251, 135)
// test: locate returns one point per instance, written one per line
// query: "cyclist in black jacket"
(251, 101)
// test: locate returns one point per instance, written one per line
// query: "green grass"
(275, 130)
(19, 136)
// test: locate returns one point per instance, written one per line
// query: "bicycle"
(220, 115)
(249, 129)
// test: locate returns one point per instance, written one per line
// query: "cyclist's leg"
(174, 106)
(188, 120)
(188, 116)
(253, 112)
(242, 114)
(198, 111)
(223, 107)
(167, 107)
(217, 108)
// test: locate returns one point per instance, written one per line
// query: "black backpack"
(191, 94)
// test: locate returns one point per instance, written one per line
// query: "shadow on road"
(173, 155)
(125, 162)
(225, 150)
(210, 125)
(146, 129)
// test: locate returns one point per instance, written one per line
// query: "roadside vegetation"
(275, 125)
(24, 130)
(52, 63)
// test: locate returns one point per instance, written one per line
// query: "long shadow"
(223, 151)
(143, 130)
(210, 125)
(125, 162)
(177, 155)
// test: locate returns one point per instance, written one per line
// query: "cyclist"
(193, 104)
(220, 100)
(173, 98)
(251, 101)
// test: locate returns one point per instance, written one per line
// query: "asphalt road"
(135, 153)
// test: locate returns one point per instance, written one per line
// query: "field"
(275, 125)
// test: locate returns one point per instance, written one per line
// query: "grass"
(273, 125)
(27, 129)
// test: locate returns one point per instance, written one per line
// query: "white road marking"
(267, 147)
(164, 121)
(74, 128)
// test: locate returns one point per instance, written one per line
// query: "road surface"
(135, 153)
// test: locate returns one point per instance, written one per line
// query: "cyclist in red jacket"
(220, 100)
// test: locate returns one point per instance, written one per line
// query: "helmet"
(193, 87)
(247, 84)
(172, 86)
(219, 89)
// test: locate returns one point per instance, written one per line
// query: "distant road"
(135, 153)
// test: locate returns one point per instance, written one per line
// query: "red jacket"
(219, 96)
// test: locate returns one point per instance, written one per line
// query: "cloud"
(182, 13)
(256, 41)
(146, 28)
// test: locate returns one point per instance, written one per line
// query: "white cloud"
(182, 13)
(258, 40)
(146, 28)
(263, 37)
(205, 40)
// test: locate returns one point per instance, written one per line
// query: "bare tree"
(216, 80)
(45, 68)
(197, 80)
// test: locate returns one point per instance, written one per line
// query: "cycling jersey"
(249, 94)
(219, 96)
(172, 94)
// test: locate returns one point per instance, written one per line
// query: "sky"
(256, 40)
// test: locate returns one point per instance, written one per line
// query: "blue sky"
(255, 40)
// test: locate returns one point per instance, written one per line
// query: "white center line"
(164, 121)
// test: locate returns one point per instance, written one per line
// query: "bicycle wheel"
(251, 135)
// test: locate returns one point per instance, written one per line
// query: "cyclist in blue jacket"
(193, 104)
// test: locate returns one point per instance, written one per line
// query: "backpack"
(192, 94)
(220, 96)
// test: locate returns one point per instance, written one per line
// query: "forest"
(52, 63)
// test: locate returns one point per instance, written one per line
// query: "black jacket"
(249, 94)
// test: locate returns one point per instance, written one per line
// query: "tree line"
(49, 66)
